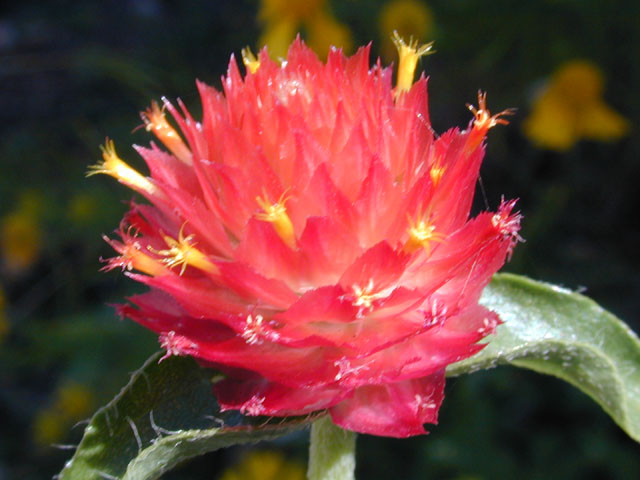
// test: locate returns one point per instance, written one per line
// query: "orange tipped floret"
(114, 166)
(155, 121)
(484, 120)
(409, 54)
(132, 257)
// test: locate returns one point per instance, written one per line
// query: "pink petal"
(393, 410)
(377, 204)
(328, 248)
(261, 397)
(381, 265)
(254, 288)
(266, 252)
(451, 339)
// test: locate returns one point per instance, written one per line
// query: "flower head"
(317, 248)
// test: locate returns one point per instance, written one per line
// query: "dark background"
(72, 73)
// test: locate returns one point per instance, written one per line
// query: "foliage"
(165, 414)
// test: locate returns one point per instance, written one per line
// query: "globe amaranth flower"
(310, 238)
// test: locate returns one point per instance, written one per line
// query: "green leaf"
(166, 414)
(558, 332)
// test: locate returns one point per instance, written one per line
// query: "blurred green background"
(74, 72)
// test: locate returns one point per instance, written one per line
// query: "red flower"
(310, 238)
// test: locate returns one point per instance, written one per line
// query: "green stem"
(332, 453)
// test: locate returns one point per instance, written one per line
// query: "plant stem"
(332, 453)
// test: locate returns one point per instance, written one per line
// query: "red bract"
(310, 239)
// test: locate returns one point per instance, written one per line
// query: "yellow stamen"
(183, 252)
(367, 295)
(436, 172)
(421, 234)
(249, 59)
(276, 213)
(114, 166)
(156, 122)
(409, 54)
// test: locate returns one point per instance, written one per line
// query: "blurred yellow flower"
(72, 403)
(282, 19)
(4, 321)
(274, 10)
(410, 18)
(48, 428)
(571, 108)
(325, 31)
(264, 465)
(277, 36)
(82, 208)
(21, 235)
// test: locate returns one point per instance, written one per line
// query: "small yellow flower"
(21, 235)
(48, 428)
(571, 108)
(4, 321)
(264, 465)
(600, 122)
(410, 18)
(277, 36)
(274, 10)
(82, 208)
(72, 402)
(282, 19)
(325, 31)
